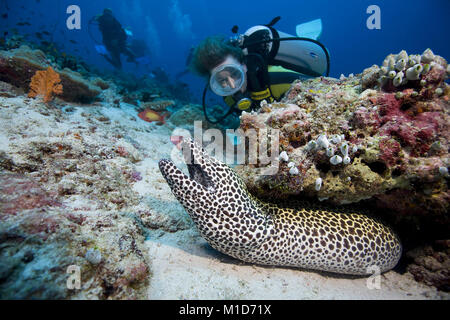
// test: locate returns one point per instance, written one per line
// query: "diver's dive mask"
(227, 79)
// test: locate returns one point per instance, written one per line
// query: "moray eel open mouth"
(197, 174)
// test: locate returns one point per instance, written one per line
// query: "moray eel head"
(217, 200)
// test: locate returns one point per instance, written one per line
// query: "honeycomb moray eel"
(237, 224)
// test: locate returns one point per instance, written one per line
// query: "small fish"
(38, 35)
(150, 115)
(45, 43)
(5, 16)
(235, 29)
(23, 24)
(46, 33)
(73, 41)
(5, 33)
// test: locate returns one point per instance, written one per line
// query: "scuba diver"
(114, 39)
(260, 64)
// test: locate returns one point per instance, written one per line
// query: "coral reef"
(367, 136)
(431, 264)
(9, 91)
(67, 199)
(157, 105)
(45, 83)
(17, 67)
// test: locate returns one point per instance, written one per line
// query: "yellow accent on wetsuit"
(280, 82)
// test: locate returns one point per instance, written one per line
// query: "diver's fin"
(128, 32)
(101, 49)
(310, 30)
(274, 20)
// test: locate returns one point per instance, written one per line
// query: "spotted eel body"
(237, 224)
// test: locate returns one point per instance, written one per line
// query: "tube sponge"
(389, 61)
(344, 149)
(346, 160)
(293, 171)
(330, 151)
(335, 160)
(402, 55)
(392, 74)
(414, 72)
(427, 56)
(400, 64)
(322, 141)
(318, 184)
(283, 156)
(398, 79)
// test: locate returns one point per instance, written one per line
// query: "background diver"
(114, 39)
(259, 65)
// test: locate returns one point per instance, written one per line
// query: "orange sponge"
(45, 83)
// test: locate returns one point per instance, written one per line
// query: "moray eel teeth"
(237, 224)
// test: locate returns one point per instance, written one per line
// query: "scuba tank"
(303, 55)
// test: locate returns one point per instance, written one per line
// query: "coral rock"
(17, 193)
(19, 65)
(158, 105)
(397, 138)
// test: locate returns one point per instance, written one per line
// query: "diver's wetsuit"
(280, 82)
(114, 39)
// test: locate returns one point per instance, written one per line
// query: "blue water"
(171, 27)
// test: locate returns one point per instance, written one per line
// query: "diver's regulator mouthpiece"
(244, 104)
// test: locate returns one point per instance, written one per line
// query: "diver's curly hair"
(211, 52)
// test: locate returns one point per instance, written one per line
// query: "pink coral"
(133, 273)
(366, 119)
(18, 192)
(389, 151)
(414, 132)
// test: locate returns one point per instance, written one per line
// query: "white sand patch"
(184, 266)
